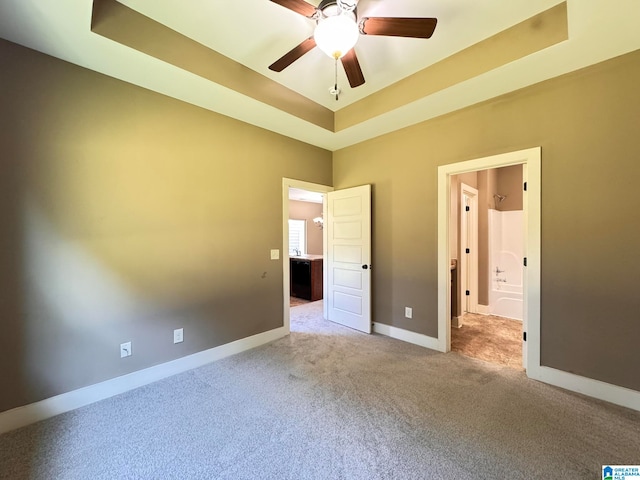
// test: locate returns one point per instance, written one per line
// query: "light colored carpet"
(327, 402)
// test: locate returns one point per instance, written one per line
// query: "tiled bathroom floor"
(489, 338)
(295, 301)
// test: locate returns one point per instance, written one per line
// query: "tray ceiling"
(253, 33)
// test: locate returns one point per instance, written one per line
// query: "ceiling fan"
(337, 31)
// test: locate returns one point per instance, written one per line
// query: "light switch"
(275, 254)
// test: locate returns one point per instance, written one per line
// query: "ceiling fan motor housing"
(330, 8)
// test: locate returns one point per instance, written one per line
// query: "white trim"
(444, 260)
(50, 407)
(312, 187)
(406, 335)
(594, 388)
(484, 309)
(624, 397)
(468, 263)
(531, 159)
(531, 172)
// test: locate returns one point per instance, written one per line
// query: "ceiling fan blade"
(398, 26)
(298, 6)
(352, 68)
(293, 55)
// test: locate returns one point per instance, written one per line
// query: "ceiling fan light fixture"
(336, 35)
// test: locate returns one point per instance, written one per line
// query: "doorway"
(305, 252)
(316, 192)
(530, 161)
(487, 232)
(346, 254)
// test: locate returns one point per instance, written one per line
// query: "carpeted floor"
(327, 402)
(489, 338)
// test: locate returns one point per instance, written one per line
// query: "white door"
(469, 248)
(348, 227)
(525, 277)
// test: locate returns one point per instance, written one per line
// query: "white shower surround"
(506, 252)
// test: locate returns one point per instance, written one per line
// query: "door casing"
(530, 159)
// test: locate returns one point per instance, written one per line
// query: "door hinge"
(466, 209)
(525, 261)
(524, 336)
(467, 292)
(525, 186)
(466, 250)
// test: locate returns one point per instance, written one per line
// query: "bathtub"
(505, 262)
(505, 300)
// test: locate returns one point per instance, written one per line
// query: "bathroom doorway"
(489, 231)
(528, 167)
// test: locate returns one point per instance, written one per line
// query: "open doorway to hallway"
(487, 248)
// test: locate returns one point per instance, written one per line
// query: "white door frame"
(312, 187)
(530, 159)
(468, 262)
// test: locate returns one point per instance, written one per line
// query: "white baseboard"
(593, 388)
(624, 397)
(484, 309)
(406, 335)
(50, 407)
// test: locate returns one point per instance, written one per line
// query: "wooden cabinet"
(306, 277)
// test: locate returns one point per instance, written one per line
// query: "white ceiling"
(305, 195)
(257, 32)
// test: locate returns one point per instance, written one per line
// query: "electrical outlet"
(125, 349)
(275, 254)
(178, 335)
(408, 312)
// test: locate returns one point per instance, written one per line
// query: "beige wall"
(586, 124)
(125, 214)
(509, 183)
(486, 182)
(308, 211)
